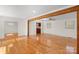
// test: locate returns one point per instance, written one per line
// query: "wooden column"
(28, 29)
(78, 32)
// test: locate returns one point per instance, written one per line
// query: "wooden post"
(28, 29)
(78, 32)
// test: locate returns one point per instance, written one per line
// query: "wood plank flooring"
(42, 44)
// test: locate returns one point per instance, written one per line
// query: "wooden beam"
(28, 28)
(78, 31)
(60, 12)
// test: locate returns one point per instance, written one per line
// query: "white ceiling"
(26, 11)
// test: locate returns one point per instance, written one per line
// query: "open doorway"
(11, 29)
(38, 28)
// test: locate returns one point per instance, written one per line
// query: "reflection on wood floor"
(42, 44)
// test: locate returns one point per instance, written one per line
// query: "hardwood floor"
(42, 44)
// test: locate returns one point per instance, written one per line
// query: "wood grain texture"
(78, 31)
(42, 44)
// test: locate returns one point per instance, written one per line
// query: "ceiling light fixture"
(34, 11)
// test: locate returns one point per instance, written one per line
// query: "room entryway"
(38, 28)
(10, 27)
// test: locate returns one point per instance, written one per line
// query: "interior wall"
(58, 25)
(3, 19)
(10, 27)
(22, 27)
(32, 28)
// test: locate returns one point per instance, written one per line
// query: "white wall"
(57, 26)
(21, 25)
(22, 28)
(32, 28)
(10, 27)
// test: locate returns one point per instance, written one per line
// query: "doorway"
(38, 28)
(11, 27)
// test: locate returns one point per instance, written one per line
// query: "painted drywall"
(58, 26)
(32, 28)
(21, 29)
(10, 27)
(26, 11)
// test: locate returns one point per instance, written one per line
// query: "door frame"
(36, 27)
